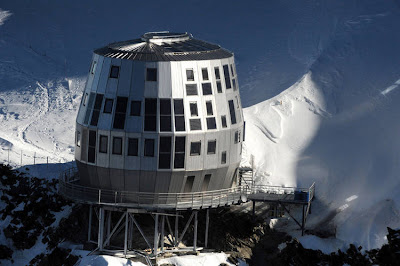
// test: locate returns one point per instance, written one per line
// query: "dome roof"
(164, 46)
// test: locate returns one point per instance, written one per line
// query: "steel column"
(90, 223)
(195, 231)
(207, 224)
(162, 231)
(101, 229)
(155, 235)
(126, 234)
(176, 236)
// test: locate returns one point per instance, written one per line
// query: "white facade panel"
(117, 160)
(164, 80)
(105, 72)
(90, 77)
(103, 159)
(125, 77)
(133, 162)
(137, 83)
(195, 162)
(149, 163)
(151, 87)
(177, 80)
(97, 73)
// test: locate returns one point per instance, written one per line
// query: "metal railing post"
(99, 196)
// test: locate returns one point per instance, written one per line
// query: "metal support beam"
(155, 235)
(170, 231)
(140, 230)
(207, 224)
(90, 223)
(100, 243)
(162, 232)
(126, 234)
(254, 210)
(176, 237)
(186, 227)
(108, 224)
(107, 242)
(195, 231)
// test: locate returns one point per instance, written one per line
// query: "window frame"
(112, 76)
(192, 147)
(208, 147)
(101, 138)
(107, 100)
(114, 139)
(187, 76)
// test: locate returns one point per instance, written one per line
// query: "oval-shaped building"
(161, 113)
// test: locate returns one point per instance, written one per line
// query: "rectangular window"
(211, 146)
(133, 146)
(236, 137)
(211, 124)
(108, 105)
(120, 112)
(188, 184)
(136, 106)
(92, 147)
(149, 147)
(195, 124)
(179, 115)
(232, 111)
(78, 138)
(164, 156)
(103, 144)
(189, 75)
(89, 107)
(219, 87)
(206, 182)
(234, 84)
(180, 144)
(227, 77)
(217, 75)
(204, 73)
(151, 74)
(93, 69)
(191, 89)
(223, 121)
(96, 110)
(233, 72)
(195, 148)
(150, 114)
(223, 157)
(206, 88)
(209, 108)
(117, 145)
(193, 109)
(114, 72)
(165, 115)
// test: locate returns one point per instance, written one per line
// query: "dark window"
(108, 105)
(164, 156)
(117, 145)
(150, 114)
(232, 112)
(217, 75)
(211, 124)
(189, 184)
(223, 121)
(219, 87)
(149, 147)
(114, 72)
(165, 115)
(193, 109)
(151, 74)
(233, 72)
(189, 75)
(227, 77)
(191, 89)
(195, 148)
(135, 108)
(204, 73)
(120, 112)
(211, 146)
(180, 143)
(96, 110)
(179, 115)
(89, 107)
(195, 124)
(236, 137)
(206, 182)
(103, 144)
(223, 157)
(209, 108)
(234, 84)
(206, 88)
(92, 147)
(133, 146)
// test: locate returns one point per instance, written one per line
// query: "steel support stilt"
(207, 224)
(108, 224)
(162, 231)
(195, 231)
(155, 235)
(303, 221)
(254, 210)
(90, 223)
(101, 229)
(176, 236)
(126, 233)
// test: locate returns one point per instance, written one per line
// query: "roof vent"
(165, 37)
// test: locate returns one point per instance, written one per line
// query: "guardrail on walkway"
(69, 187)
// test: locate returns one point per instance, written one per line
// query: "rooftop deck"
(70, 188)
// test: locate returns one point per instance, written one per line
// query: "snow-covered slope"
(321, 79)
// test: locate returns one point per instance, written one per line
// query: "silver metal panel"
(104, 177)
(125, 76)
(90, 77)
(163, 181)
(116, 160)
(132, 180)
(84, 144)
(147, 181)
(97, 74)
(211, 160)
(105, 121)
(224, 145)
(103, 159)
(151, 87)
(93, 178)
(217, 178)
(176, 184)
(117, 179)
(177, 80)
(149, 163)
(105, 72)
(195, 162)
(164, 80)
(134, 123)
(137, 82)
(83, 173)
(198, 178)
(78, 149)
(133, 162)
